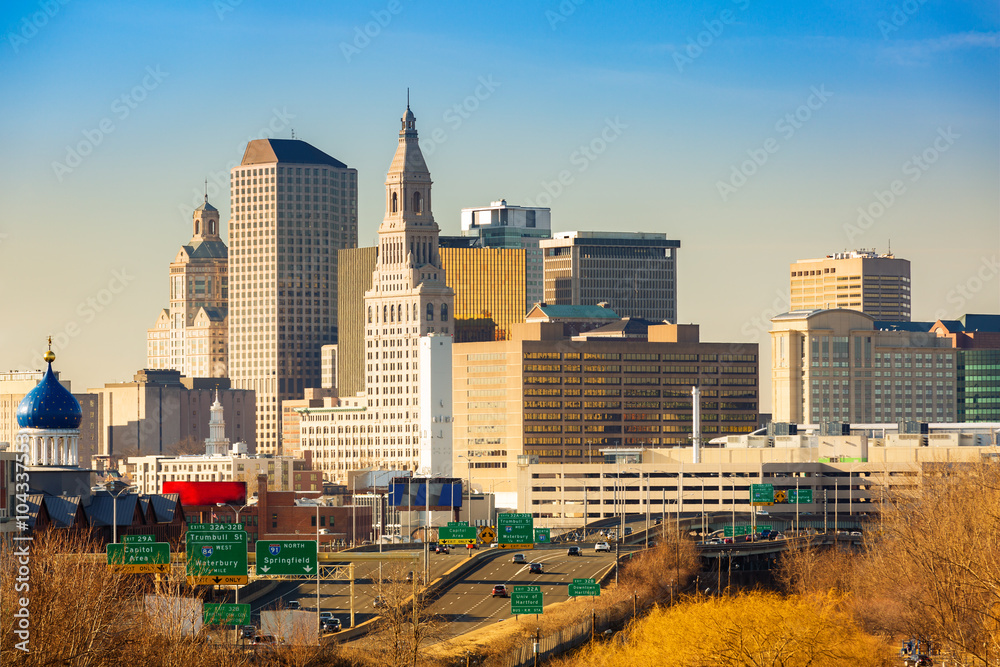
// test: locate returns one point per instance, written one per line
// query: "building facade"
(293, 208)
(834, 366)
(355, 267)
(409, 299)
(192, 335)
(15, 385)
(560, 399)
(160, 411)
(489, 285)
(636, 273)
(501, 225)
(875, 284)
(284, 473)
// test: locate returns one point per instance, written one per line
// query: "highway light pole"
(114, 508)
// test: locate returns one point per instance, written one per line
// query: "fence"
(567, 638)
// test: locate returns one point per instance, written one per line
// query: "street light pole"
(114, 509)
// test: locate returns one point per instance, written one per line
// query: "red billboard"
(208, 493)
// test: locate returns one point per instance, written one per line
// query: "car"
(330, 624)
(628, 530)
(727, 540)
(264, 638)
(519, 559)
(500, 591)
(652, 543)
(293, 604)
(534, 568)
(657, 522)
(381, 602)
(409, 577)
(855, 533)
(324, 615)
(248, 631)
(602, 546)
(441, 549)
(574, 551)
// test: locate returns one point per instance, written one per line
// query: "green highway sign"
(216, 557)
(139, 539)
(584, 587)
(526, 599)
(291, 557)
(216, 527)
(140, 557)
(742, 530)
(457, 533)
(804, 496)
(761, 494)
(515, 531)
(226, 614)
(542, 535)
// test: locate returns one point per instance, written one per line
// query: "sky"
(755, 133)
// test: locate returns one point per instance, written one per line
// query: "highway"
(468, 605)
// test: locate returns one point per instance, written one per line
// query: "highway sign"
(584, 587)
(740, 530)
(216, 527)
(526, 600)
(515, 531)
(140, 558)
(226, 614)
(216, 557)
(761, 494)
(804, 496)
(542, 535)
(457, 534)
(139, 539)
(288, 557)
(780, 496)
(488, 535)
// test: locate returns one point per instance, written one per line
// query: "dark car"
(293, 604)
(535, 568)
(248, 631)
(500, 591)
(330, 624)
(441, 549)
(381, 602)
(628, 530)
(574, 551)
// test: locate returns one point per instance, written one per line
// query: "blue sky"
(753, 132)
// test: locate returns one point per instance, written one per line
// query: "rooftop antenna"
(407, 97)
(206, 190)
(293, 133)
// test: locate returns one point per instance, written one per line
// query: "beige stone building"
(161, 410)
(833, 366)
(875, 284)
(191, 336)
(284, 473)
(557, 399)
(355, 268)
(293, 208)
(634, 272)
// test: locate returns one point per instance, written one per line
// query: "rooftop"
(265, 151)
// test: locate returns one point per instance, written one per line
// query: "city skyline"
(723, 125)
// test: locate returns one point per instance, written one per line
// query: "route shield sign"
(542, 535)
(800, 497)
(226, 614)
(526, 600)
(289, 557)
(140, 557)
(761, 494)
(584, 587)
(455, 533)
(487, 535)
(216, 557)
(515, 531)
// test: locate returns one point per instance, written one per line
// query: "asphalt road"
(468, 605)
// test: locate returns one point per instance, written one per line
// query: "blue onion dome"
(49, 404)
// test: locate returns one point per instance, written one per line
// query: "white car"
(602, 546)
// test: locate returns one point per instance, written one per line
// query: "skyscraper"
(293, 208)
(875, 284)
(489, 289)
(634, 272)
(501, 225)
(192, 335)
(384, 426)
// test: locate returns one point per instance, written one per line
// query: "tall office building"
(875, 284)
(489, 286)
(634, 272)
(835, 366)
(501, 225)
(192, 336)
(409, 299)
(354, 277)
(293, 208)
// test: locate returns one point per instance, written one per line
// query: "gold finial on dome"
(49, 356)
